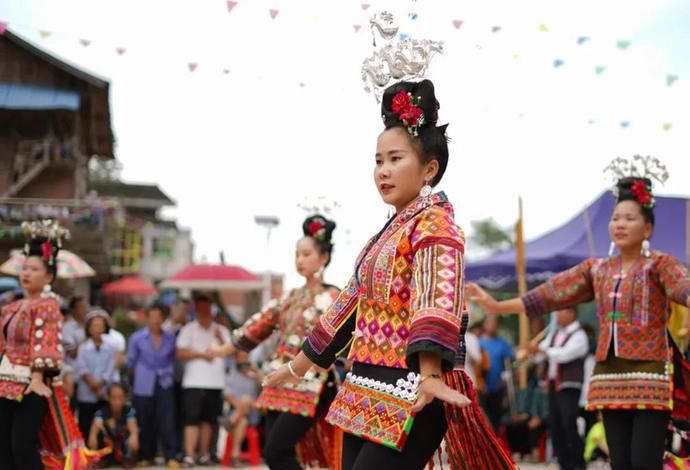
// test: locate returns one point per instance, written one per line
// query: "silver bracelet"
(292, 371)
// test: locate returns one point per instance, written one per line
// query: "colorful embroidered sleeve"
(675, 279)
(46, 336)
(437, 305)
(334, 329)
(566, 289)
(260, 325)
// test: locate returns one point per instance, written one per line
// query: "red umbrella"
(129, 285)
(213, 277)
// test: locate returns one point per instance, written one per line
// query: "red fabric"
(216, 272)
(129, 285)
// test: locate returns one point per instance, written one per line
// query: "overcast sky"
(290, 119)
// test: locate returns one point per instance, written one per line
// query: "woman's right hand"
(39, 388)
(479, 296)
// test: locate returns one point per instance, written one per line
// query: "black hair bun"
(319, 228)
(426, 101)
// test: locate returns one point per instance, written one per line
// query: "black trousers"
(285, 430)
(636, 438)
(86, 412)
(564, 409)
(156, 421)
(493, 406)
(521, 438)
(428, 430)
(19, 426)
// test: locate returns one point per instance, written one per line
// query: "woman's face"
(308, 259)
(399, 173)
(96, 328)
(627, 227)
(34, 275)
(117, 399)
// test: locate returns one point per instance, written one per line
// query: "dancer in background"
(631, 382)
(34, 414)
(402, 314)
(293, 412)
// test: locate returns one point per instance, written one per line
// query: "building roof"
(131, 192)
(58, 62)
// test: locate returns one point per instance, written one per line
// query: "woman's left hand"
(39, 388)
(435, 388)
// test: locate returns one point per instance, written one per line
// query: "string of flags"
(457, 23)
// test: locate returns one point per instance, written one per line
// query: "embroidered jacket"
(294, 316)
(632, 308)
(405, 297)
(30, 339)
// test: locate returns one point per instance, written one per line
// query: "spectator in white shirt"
(565, 350)
(203, 381)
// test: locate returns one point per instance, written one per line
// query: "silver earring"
(47, 291)
(612, 248)
(646, 248)
(425, 193)
(319, 273)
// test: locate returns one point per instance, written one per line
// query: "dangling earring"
(612, 247)
(47, 291)
(391, 213)
(425, 193)
(646, 248)
(319, 273)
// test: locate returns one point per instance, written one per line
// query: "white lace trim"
(404, 388)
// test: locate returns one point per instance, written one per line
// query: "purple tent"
(570, 244)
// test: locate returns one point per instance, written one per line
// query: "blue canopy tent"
(585, 235)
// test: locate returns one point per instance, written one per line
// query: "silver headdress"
(637, 167)
(395, 61)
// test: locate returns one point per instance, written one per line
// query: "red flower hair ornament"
(410, 114)
(643, 194)
(317, 229)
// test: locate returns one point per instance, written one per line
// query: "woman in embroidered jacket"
(631, 382)
(33, 413)
(293, 412)
(402, 312)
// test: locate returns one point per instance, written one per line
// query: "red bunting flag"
(365, 6)
(85, 42)
(192, 66)
(3, 27)
(231, 5)
(274, 13)
(120, 50)
(357, 27)
(457, 23)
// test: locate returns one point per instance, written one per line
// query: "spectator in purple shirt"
(151, 359)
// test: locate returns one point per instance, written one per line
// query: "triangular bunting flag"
(581, 40)
(226, 71)
(667, 126)
(231, 5)
(44, 34)
(558, 62)
(625, 124)
(599, 69)
(543, 28)
(413, 16)
(357, 27)
(120, 50)
(3, 27)
(85, 42)
(192, 66)
(671, 79)
(623, 44)
(365, 6)
(516, 56)
(273, 13)
(301, 84)
(495, 29)
(457, 24)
